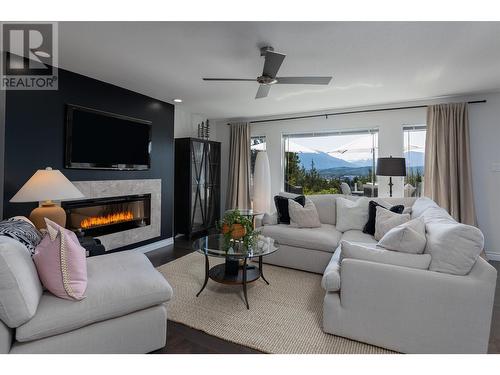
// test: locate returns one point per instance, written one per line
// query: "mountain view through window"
(329, 163)
(414, 153)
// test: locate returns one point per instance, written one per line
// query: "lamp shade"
(391, 167)
(262, 184)
(45, 185)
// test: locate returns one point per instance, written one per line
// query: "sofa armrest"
(258, 221)
(437, 307)
(6, 335)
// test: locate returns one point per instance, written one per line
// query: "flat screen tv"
(103, 140)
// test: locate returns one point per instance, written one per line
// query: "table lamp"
(45, 186)
(392, 167)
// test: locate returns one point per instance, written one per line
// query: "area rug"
(284, 317)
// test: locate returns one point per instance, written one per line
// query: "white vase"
(262, 184)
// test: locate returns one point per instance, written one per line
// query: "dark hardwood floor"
(182, 339)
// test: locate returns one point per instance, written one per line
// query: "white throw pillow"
(377, 255)
(303, 217)
(406, 238)
(386, 220)
(351, 214)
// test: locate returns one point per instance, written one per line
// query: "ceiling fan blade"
(230, 79)
(272, 63)
(263, 91)
(304, 80)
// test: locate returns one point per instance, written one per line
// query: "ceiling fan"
(272, 63)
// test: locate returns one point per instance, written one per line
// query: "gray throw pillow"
(386, 220)
(303, 217)
(406, 238)
(351, 214)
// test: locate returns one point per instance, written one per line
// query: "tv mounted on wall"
(102, 140)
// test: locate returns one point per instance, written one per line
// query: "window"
(414, 153)
(329, 163)
(256, 144)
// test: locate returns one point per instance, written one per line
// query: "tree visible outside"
(414, 152)
(318, 164)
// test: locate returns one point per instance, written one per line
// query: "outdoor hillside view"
(414, 151)
(318, 164)
(321, 163)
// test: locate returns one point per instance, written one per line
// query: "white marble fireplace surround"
(116, 188)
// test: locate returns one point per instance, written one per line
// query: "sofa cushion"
(324, 238)
(303, 216)
(270, 219)
(351, 214)
(437, 215)
(118, 284)
(372, 214)
(407, 238)
(357, 236)
(325, 205)
(420, 205)
(386, 220)
(281, 204)
(330, 281)
(20, 288)
(454, 247)
(378, 255)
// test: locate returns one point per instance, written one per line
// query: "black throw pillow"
(372, 214)
(281, 204)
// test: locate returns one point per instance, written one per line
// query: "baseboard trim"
(492, 255)
(155, 245)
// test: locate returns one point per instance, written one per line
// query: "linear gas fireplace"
(100, 216)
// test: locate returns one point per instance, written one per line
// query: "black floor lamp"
(392, 167)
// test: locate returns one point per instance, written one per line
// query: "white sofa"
(124, 310)
(311, 249)
(403, 309)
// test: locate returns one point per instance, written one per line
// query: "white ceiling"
(371, 62)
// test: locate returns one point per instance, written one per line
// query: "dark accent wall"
(35, 137)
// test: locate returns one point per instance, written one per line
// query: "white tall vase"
(262, 184)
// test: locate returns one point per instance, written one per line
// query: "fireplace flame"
(114, 218)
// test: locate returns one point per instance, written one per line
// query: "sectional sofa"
(124, 310)
(404, 309)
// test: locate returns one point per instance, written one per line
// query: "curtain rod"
(352, 112)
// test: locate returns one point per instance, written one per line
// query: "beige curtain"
(448, 179)
(238, 181)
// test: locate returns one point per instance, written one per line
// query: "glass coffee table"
(235, 270)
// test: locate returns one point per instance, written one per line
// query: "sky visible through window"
(351, 147)
(319, 164)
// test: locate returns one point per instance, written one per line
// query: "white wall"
(485, 152)
(485, 149)
(186, 124)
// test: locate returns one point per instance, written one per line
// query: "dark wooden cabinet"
(197, 185)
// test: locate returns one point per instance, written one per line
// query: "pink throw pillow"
(61, 263)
